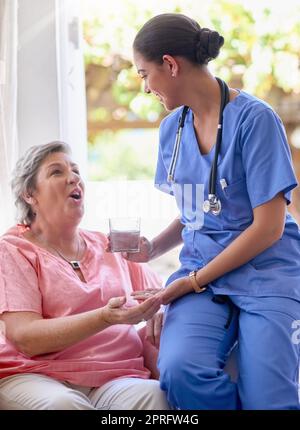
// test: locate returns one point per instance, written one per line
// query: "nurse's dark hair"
(177, 35)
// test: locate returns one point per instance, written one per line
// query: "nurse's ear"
(171, 64)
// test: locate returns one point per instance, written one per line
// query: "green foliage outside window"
(261, 55)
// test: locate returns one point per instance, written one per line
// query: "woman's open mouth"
(76, 195)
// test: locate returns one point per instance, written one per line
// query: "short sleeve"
(143, 277)
(267, 159)
(18, 282)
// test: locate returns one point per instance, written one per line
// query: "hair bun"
(208, 44)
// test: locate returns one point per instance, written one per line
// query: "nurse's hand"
(144, 254)
(173, 291)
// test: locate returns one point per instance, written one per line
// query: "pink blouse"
(34, 280)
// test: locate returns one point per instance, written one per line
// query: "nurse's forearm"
(248, 245)
(167, 239)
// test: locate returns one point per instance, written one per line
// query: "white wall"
(133, 198)
(128, 199)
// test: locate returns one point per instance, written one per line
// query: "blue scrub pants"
(195, 345)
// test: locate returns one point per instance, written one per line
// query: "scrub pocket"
(236, 206)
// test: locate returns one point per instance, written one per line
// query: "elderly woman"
(65, 303)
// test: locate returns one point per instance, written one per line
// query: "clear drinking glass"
(124, 234)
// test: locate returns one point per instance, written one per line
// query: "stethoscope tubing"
(177, 144)
(213, 172)
(224, 100)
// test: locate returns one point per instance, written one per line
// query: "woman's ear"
(29, 199)
(171, 64)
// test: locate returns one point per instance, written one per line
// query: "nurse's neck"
(202, 92)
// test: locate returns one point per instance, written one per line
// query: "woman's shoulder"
(14, 244)
(94, 237)
(14, 235)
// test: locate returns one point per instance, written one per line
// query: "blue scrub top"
(255, 162)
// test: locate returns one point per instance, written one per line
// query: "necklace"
(74, 263)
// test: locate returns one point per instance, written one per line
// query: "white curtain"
(51, 86)
(8, 106)
(71, 79)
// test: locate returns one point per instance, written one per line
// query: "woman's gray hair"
(24, 176)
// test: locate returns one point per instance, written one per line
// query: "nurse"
(239, 277)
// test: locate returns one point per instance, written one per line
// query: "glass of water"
(124, 234)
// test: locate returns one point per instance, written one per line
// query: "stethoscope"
(213, 204)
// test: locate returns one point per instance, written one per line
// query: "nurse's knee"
(178, 366)
(171, 363)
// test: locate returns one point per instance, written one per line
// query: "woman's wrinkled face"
(59, 190)
(158, 80)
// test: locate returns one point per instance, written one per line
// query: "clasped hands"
(173, 291)
(150, 301)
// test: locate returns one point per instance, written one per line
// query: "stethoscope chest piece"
(213, 205)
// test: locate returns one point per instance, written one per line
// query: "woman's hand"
(173, 291)
(116, 312)
(154, 328)
(144, 254)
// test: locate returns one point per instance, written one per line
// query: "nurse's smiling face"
(159, 79)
